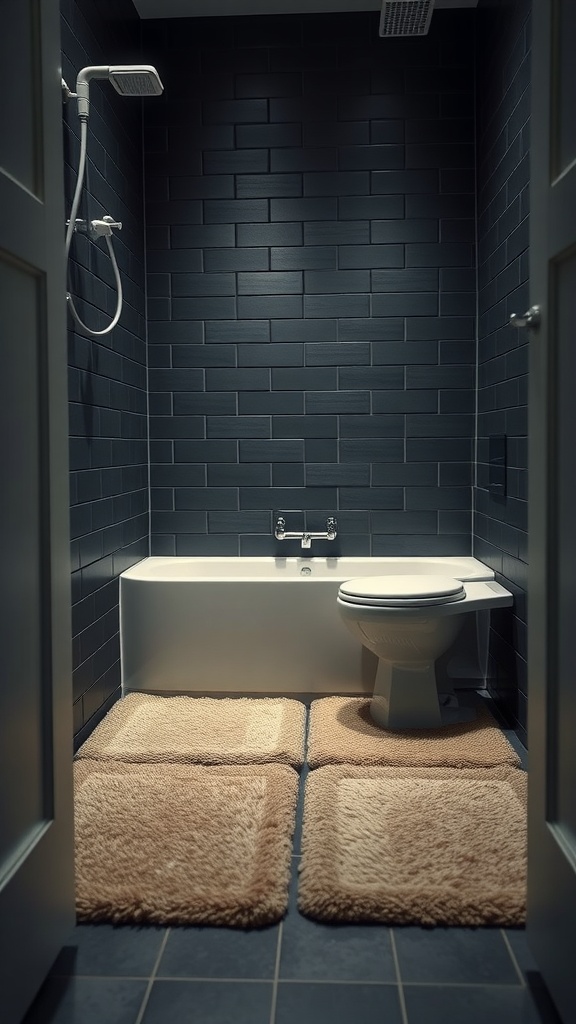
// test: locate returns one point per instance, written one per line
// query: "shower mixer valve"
(97, 228)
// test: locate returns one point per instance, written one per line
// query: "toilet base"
(406, 697)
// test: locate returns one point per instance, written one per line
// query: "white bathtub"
(264, 625)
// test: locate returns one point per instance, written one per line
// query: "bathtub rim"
(327, 568)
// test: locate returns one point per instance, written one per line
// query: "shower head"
(135, 80)
(405, 17)
(127, 79)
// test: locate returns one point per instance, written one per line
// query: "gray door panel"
(552, 610)
(36, 847)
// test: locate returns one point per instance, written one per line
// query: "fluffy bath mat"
(183, 844)
(142, 727)
(342, 732)
(424, 846)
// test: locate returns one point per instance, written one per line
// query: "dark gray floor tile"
(337, 1004)
(313, 951)
(519, 944)
(454, 956)
(297, 841)
(220, 953)
(102, 949)
(293, 888)
(209, 1002)
(474, 1004)
(87, 1001)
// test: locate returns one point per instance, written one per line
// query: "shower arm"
(82, 93)
(82, 87)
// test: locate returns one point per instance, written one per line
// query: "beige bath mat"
(427, 846)
(342, 732)
(183, 844)
(204, 730)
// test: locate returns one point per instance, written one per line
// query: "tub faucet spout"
(306, 541)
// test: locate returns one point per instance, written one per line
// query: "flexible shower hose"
(108, 239)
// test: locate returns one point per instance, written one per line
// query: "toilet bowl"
(408, 622)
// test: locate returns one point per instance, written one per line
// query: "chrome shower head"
(405, 17)
(135, 80)
(127, 79)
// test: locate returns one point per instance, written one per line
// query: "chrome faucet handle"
(331, 528)
(531, 318)
(280, 528)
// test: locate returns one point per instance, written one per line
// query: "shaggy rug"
(178, 844)
(142, 727)
(426, 846)
(342, 732)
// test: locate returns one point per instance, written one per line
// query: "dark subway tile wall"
(500, 522)
(310, 247)
(107, 376)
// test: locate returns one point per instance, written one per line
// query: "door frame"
(551, 864)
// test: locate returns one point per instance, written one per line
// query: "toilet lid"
(401, 591)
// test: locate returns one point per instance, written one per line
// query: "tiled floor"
(297, 972)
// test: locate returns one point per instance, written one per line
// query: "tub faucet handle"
(331, 528)
(280, 528)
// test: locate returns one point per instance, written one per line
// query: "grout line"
(192, 979)
(339, 981)
(294, 981)
(146, 319)
(102, 977)
(513, 958)
(276, 975)
(152, 978)
(461, 984)
(401, 998)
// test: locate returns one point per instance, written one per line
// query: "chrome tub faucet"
(307, 536)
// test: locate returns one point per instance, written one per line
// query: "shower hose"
(108, 240)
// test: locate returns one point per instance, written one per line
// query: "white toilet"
(408, 622)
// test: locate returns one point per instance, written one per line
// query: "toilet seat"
(401, 591)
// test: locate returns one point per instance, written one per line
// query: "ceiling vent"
(405, 17)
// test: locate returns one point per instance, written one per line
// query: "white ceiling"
(222, 8)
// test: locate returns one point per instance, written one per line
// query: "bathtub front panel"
(240, 636)
(196, 625)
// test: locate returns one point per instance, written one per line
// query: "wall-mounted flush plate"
(497, 465)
